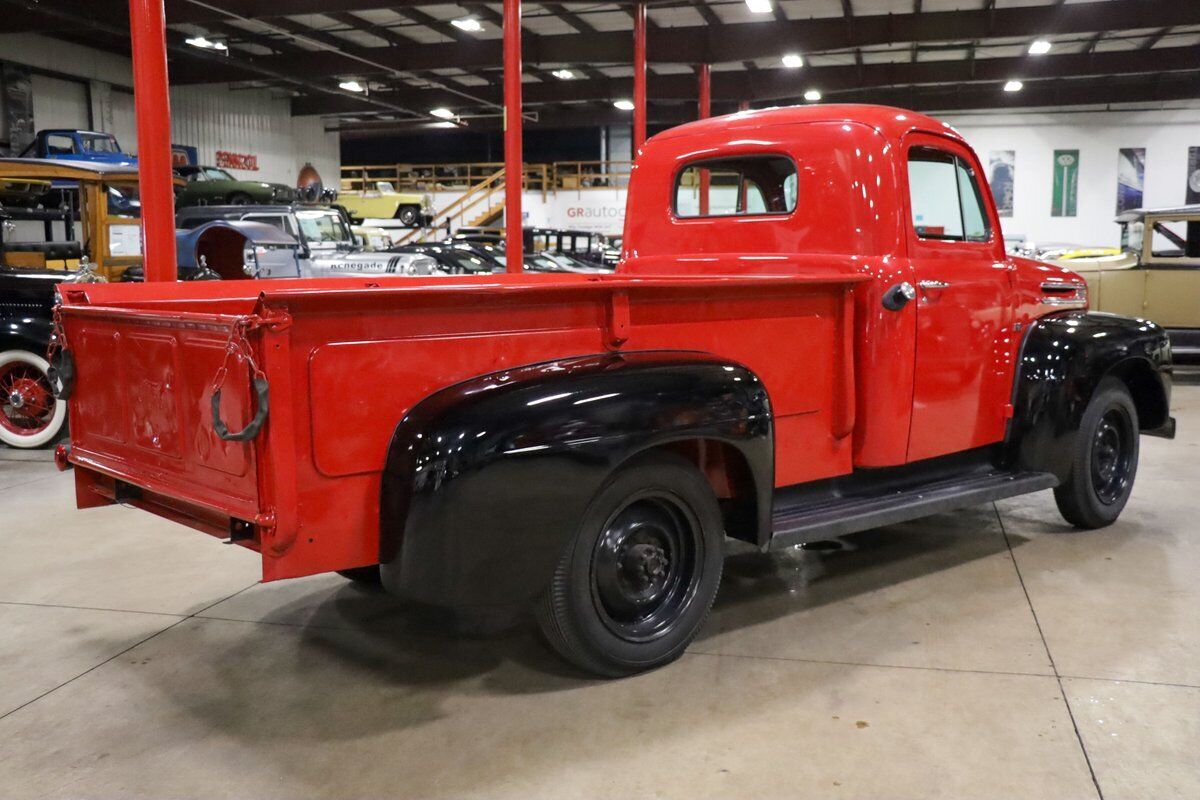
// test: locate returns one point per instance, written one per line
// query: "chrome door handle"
(932, 284)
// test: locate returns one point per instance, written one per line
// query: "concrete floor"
(990, 653)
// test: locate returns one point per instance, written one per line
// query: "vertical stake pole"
(704, 77)
(513, 171)
(152, 105)
(639, 76)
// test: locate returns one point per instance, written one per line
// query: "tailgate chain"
(62, 361)
(238, 345)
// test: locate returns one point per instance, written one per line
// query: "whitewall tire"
(30, 415)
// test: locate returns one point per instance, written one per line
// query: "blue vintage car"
(78, 146)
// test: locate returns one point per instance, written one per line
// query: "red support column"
(513, 235)
(639, 76)
(148, 33)
(704, 75)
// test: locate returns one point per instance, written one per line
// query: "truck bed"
(346, 359)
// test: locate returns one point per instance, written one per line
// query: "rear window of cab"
(755, 185)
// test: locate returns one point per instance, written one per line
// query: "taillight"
(62, 455)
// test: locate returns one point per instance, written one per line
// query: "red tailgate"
(141, 416)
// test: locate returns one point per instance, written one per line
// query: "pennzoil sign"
(230, 160)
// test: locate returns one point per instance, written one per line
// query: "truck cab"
(814, 330)
(76, 145)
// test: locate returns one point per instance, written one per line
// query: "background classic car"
(215, 186)
(325, 244)
(72, 211)
(74, 145)
(1155, 275)
(383, 205)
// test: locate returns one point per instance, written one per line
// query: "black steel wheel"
(637, 580)
(1104, 461)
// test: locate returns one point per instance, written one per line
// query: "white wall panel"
(1166, 135)
(59, 103)
(252, 121)
(209, 117)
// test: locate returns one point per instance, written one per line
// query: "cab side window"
(945, 197)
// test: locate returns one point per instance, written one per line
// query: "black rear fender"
(486, 480)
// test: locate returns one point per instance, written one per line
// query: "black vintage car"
(30, 416)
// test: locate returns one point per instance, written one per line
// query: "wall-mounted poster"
(1193, 176)
(1002, 165)
(1131, 177)
(1066, 183)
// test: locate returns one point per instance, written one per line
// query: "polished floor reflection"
(988, 653)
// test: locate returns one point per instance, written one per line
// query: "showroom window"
(945, 197)
(737, 186)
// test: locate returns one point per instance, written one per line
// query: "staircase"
(488, 193)
(489, 217)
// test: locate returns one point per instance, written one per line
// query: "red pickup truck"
(814, 330)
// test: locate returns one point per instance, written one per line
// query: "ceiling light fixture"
(793, 61)
(812, 95)
(468, 24)
(205, 44)
(442, 113)
(624, 105)
(563, 74)
(352, 86)
(1039, 48)
(759, 6)
(1013, 86)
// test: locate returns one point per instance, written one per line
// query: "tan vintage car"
(1154, 275)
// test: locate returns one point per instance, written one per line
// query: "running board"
(814, 519)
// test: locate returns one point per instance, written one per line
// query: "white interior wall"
(1097, 135)
(59, 103)
(213, 117)
(209, 117)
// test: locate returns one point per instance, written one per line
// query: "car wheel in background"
(240, 199)
(409, 216)
(30, 415)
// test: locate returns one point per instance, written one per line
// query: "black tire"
(409, 216)
(368, 576)
(1104, 459)
(635, 583)
(240, 199)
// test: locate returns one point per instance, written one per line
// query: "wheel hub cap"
(644, 567)
(26, 400)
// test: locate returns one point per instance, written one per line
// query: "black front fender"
(1063, 359)
(486, 480)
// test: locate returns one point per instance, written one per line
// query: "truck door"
(964, 284)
